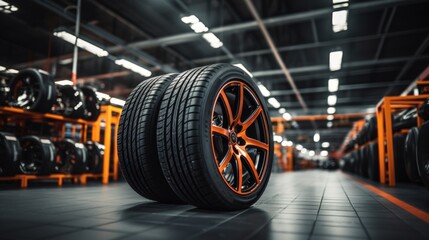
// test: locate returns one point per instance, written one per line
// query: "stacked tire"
(35, 90)
(202, 137)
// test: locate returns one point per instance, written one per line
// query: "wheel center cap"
(233, 137)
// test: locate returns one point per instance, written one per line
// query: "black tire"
(38, 155)
(71, 157)
(423, 110)
(137, 149)
(399, 149)
(187, 144)
(423, 153)
(70, 102)
(92, 105)
(11, 154)
(410, 155)
(373, 162)
(33, 90)
(95, 157)
(364, 161)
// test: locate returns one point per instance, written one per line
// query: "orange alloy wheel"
(239, 137)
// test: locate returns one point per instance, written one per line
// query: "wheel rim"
(239, 137)
(25, 92)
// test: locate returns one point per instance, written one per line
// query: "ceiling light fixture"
(64, 82)
(133, 67)
(339, 20)
(332, 100)
(190, 19)
(242, 67)
(81, 43)
(324, 153)
(329, 124)
(117, 101)
(287, 116)
(331, 110)
(333, 84)
(316, 137)
(311, 153)
(216, 43)
(274, 102)
(282, 110)
(299, 147)
(330, 117)
(325, 144)
(289, 143)
(7, 7)
(335, 60)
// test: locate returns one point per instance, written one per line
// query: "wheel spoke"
(240, 103)
(256, 143)
(239, 173)
(219, 130)
(226, 160)
(252, 118)
(227, 106)
(250, 163)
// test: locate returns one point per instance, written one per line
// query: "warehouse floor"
(299, 205)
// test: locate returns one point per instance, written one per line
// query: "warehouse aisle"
(299, 205)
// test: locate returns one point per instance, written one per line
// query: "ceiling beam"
(324, 89)
(324, 67)
(274, 21)
(304, 46)
(57, 9)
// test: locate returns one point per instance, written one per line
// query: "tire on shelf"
(38, 155)
(423, 153)
(71, 157)
(423, 110)
(95, 157)
(11, 154)
(364, 161)
(137, 148)
(92, 105)
(33, 90)
(410, 155)
(215, 138)
(399, 148)
(70, 102)
(373, 162)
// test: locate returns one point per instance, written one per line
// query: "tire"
(423, 110)
(364, 162)
(189, 144)
(70, 102)
(38, 155)
(33, 90)
(373, 162)
(137, 150)
(399, 149)
(92, 105)
(71, 157)
(410, 155)
(423, 153)
(95, 157)
(11, 154)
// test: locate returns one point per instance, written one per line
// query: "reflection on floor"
(299, 205)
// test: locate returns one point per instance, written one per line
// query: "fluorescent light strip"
(324, 153)
(265, 92)
(330, 117)
(339, 1)
(332, 100)
(311, 153)
(331, 110)
(282, 110)
(287, 116)
(333, 84)
(215, 42)
(316, 137)
(274, 102)
(2, 68)
(329, 124)
(241, 66)
(341, 5)
(82, 43)
(133, 67)
(339, 20)
(190, 19)
(199, 27)
(335, 60)
(325, 144)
